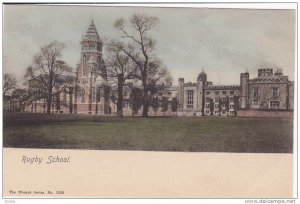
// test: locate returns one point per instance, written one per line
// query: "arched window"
(84, 65)
(82, 96)
(92, 46)
(99, 63)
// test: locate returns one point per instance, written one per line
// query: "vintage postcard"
(114, 101)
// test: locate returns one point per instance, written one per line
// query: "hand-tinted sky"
(223, 42)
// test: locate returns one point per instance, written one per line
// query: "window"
(274, 104)
(223, 99)
(274, 91)
(216, 99)
(93, 95)
(207, 111)
(84, 70)
(231, 99)
(255, 102)
(84, 47)
(231, 112)
(216, 112)
(98, 94)
(207, 99)
(92, 46)
(217, 93)
(216, 106)
(65, 97)
(207, 93)
(223, 112)
(224, 92)
(82, 97)
(231, 92)
(190, 99)
(207, 106)
(125, 104)
(255, 92)
(231, 106)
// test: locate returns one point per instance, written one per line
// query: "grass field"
(208, 134)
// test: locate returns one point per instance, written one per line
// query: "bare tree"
(21, 96)
(9, 83)
(138, 46)
(119, 69)
(48, 73)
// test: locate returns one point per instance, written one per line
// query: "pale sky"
(223, 42)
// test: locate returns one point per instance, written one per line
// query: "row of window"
(91, 47)
(274, 91)
(223, 92)
(190, 99)
(94, 95)
(218, 99)
(273, 104)
(216, 106)
(223, 112)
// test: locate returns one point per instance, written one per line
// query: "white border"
(231, 4)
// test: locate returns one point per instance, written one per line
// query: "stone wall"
(265, 94)
(264, 113)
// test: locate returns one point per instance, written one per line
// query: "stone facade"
(221, 100)
(267, 91)
(204, 98)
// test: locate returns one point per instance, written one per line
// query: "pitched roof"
(92, 34)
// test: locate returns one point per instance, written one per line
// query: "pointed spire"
(92, 33)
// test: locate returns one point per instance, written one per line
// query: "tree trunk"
(120, 95)
(107, 109)
(145, 98)
(49, 97)
(49, 103)
(57, 103)
(145, 104)
(75, 93)
(287, 97)
(90, 95)
(203, 102)
(71, 101)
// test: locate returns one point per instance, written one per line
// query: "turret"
(265, 72)
(201, 81)
(244, 92)
(202, 77)
(180, 93)
(278, 73)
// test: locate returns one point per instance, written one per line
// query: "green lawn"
(209, 134)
